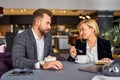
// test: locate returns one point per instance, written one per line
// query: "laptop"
(97, 69)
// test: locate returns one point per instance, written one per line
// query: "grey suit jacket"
(24, 51)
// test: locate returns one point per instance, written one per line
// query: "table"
(70, 72)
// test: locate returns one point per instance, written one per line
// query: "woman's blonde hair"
(90, 23)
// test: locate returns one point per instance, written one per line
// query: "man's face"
(44, 26)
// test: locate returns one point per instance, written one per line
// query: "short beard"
(41, 32)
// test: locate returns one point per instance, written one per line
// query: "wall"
(63, 4)
(4, 29)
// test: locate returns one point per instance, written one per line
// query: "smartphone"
(19, 72)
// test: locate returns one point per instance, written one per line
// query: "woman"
(90, 44)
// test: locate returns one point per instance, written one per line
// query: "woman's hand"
(106, 59)
(73, 52)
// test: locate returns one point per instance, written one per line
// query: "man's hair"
(40, 12)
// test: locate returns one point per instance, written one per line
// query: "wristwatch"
(41, 64)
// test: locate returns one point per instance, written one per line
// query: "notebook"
(93, 69)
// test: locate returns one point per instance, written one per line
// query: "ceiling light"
(21, 11)
(80, 16)
(87, 16)
(24, 10)
(12, 10)
(83, 18)
(64, 11)
(60, 11)
(53, 11)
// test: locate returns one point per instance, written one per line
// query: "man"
(34, 44)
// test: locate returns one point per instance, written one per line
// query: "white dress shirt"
(40, 49)
(93, 53)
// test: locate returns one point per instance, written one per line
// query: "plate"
(100, 62)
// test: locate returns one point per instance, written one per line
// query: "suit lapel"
(99, 47)
(45, 46)
(83, 46)
(33, 42)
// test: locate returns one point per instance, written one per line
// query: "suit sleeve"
(19, 55)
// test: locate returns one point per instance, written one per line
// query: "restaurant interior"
(15, 18)
(64, 24)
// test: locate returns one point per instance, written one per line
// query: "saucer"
(81, 62)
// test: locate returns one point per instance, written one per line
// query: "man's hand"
(57, 65)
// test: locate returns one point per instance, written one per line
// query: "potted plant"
(113, 34)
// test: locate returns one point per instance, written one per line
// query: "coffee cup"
(82, 59)
(50, 58)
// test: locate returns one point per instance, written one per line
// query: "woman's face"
(85, 31)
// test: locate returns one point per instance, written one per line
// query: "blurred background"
(16, 16)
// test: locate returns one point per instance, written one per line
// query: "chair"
(5, 58)
(9, 36)
(5, 63)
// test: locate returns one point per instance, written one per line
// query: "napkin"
(102, 77)
(2, 48)
(50, 58)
